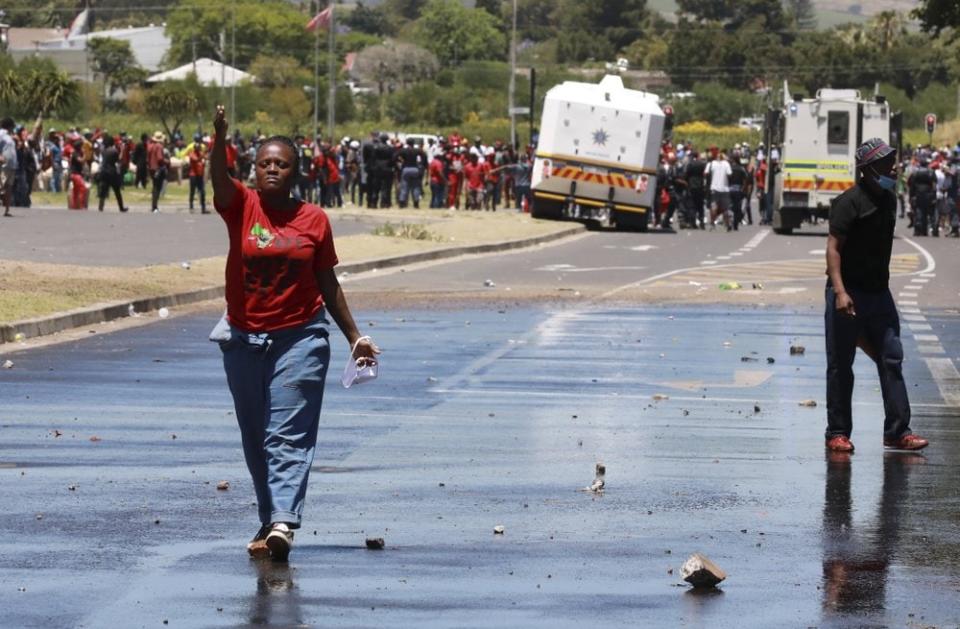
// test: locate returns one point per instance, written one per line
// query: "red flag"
(321, 20)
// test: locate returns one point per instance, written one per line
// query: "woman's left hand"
(366, 352)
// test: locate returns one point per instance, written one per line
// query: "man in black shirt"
(860, 308)
(110, 177)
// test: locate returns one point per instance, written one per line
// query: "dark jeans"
(736, 204)
(925, 214)
(436, 195)
(877, 321)
(107, 183)
(696, 200)
(140, 177)
(196, 186)
(158, 177)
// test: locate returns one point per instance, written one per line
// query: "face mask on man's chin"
(885, 182)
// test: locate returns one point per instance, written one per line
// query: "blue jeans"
(276, 379)
(877, 321)
(410, 185)
(437, 196)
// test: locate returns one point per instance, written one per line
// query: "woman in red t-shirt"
(280, 283)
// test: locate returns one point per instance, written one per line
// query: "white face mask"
(358, 370)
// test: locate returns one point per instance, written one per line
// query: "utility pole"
(513, 78)
(316, 83)
(332, 74)
(233, 62)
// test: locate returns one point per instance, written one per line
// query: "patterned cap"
(873, 150)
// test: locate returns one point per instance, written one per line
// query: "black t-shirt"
(109, 162)
(694, 174)
(410, 157)
(867, 223)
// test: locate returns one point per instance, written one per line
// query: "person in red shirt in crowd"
(475, 174)
(79, 192)
(454, 177)
(319, 172)
(491, 181)
(334, 195)
(158, 162)
(280, 285)
(436, 169)
(760, 180)
(198, 158)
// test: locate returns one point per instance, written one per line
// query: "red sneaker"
(840, 443)
(906, 442)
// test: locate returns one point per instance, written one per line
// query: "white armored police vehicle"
(598, 153)
(818, 138)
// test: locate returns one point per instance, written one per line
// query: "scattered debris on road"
(809, 403)
(730, 286)
(757, 286)
(700, 572)
(771, 360)
(223, 485)
(498, 529)
(8, 364)
(375, 543)
(748, 359)
(797, 350)
(756, 408)
(185, 265)
(657, 397)
(163, 313)
(489, 283)
(95, 438)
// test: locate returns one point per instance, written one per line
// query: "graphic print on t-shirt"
(262, 236)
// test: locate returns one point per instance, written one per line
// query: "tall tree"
(366, 19)
(803, 14)
(173, 102)
(938, 15)
(598, 29)
(455, 33)
(113, 60)
(270, 27)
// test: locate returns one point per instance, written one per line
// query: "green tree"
(938, 15)
(803, 14)
(493, 7)
(405, 9)
(372, 20)
(455, 33)
(736, 13)
(280, 71)
(598, 29)
(534, 19)
(267, 27)
(173, 102)
(113, 60)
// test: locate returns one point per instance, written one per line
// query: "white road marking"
(756, 240)
(906, 303)
(920, 280)
(931, 263)
(708, 262)
(913, 288)
(910, 310)
(947, 378)
(736, 254)
(723, 257)
(936, 348)
(818, 252)
(643, 248)
(914, 317)
(920, 327)
(907, 295)
(926, 338)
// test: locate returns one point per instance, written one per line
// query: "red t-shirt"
(333, 171)
(474, 174)
(196, 164)
(436, 171)
(273, 261)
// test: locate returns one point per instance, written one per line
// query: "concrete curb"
(100, 313)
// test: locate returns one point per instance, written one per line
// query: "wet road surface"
(483, 418)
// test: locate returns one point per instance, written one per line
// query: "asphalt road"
(91, 238)
(492, 409)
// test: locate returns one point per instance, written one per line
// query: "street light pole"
(331, 74)
(233, 62)
(513, 77)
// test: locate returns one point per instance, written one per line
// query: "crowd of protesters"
(456, 173)
(701, 190)
(695, 189)
(722, 187)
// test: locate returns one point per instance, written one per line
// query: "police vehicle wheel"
(546, 208)
(783, 231)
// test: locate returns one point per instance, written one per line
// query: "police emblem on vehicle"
(600, 137)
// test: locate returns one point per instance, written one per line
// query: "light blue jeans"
(277, 379)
